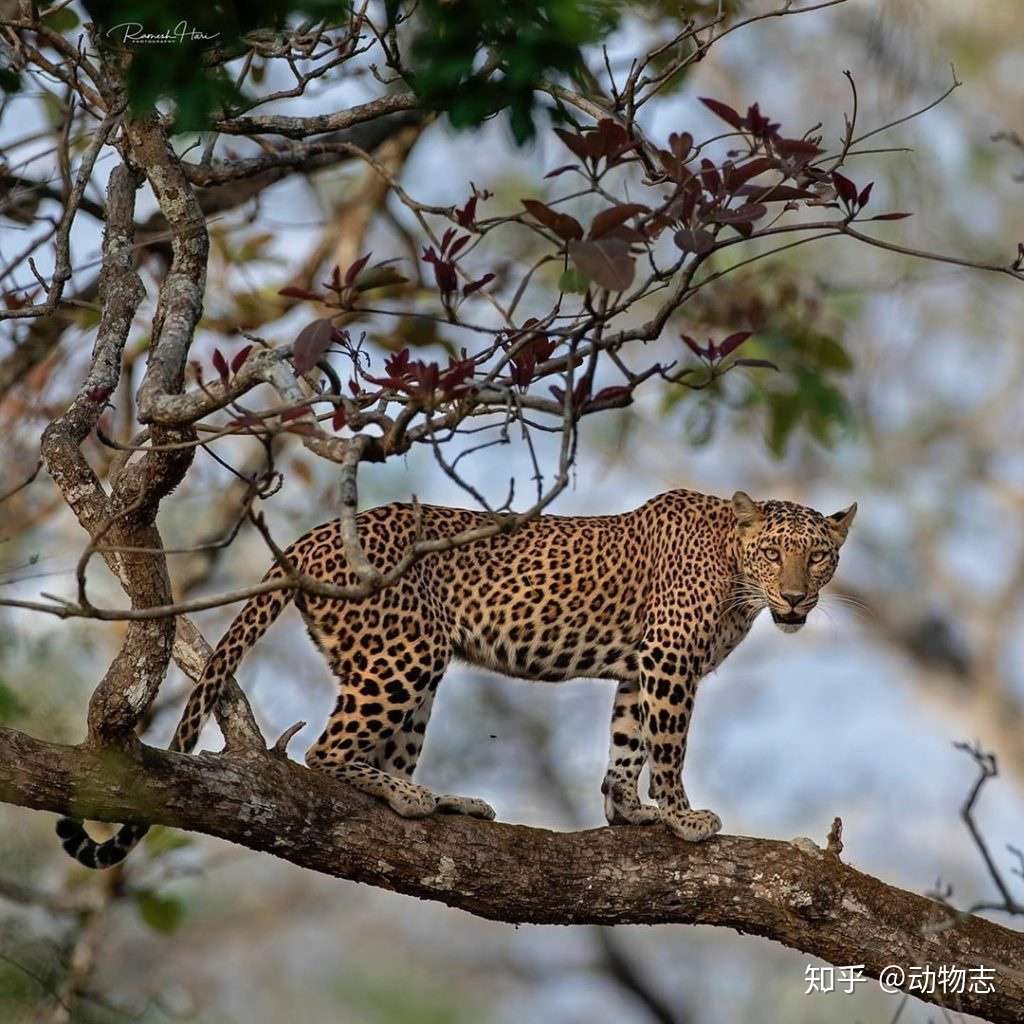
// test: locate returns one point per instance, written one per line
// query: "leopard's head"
(787, 553)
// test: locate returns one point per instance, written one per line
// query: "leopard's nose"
(792, 597)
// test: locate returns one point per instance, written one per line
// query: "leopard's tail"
(250, 624)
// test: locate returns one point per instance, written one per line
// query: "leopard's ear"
(747, 512)
(840, 521)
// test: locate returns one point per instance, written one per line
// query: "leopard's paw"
(693, 826)
(619, 810)
(411, 801)
(448, 804)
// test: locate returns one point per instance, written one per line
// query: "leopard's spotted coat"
(654, 598)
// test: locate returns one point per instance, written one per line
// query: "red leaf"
(457, 246)
(523, 365)
(220, 364)
(613, 217)
(710, 176)
(608, 140)
(338, 419)
(292, 292)
(865, 194)
(467, 215)
(801, 149)
(543, 347)
(680, 144)
(576, 143)
(99, 394)
(758, 123)
(353, 271)
(846, 188)
(606, 261)
(736, 176)
(693, 346)
(580, 392)
(457, 374)
(674, 166)
(397, 365)
(619, 395)
(732, 343)
(444, 270)
(311, 344)
(698, 241)
(745, 214)
(561, 170)
(562, 224)
(13, 301)
(891, 216)
(240, 358)
(682, 206)
(723, 110)
(472, 286)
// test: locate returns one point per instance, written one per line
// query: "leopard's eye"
(772, 554)
(818, 556)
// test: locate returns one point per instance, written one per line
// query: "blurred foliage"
(160, 840)
(170, 71)
(11, 708)
(526, 41)
(27, 970)
(805, 391)
(381, 1001)
(162, 913)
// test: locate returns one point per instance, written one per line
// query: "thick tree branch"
(809, 901)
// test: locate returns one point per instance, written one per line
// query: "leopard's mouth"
(788, 618)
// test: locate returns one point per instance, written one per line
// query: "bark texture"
(804, 898)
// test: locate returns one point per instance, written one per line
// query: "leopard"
(653, 600)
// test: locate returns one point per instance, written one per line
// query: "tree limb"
(809, 901)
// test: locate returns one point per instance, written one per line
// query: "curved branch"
(805, 898)
(301, 127)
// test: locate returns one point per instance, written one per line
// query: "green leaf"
(11, 707)
(830, 353)
(63, 20)
(525, 42)
(571, 280)
(162, 913)
(160, 840)
(784, 411)
(10, 81)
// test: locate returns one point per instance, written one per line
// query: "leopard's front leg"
(666, 700)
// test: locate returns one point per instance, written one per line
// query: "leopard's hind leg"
(399, 754)
(388, 660)
(626, 756)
